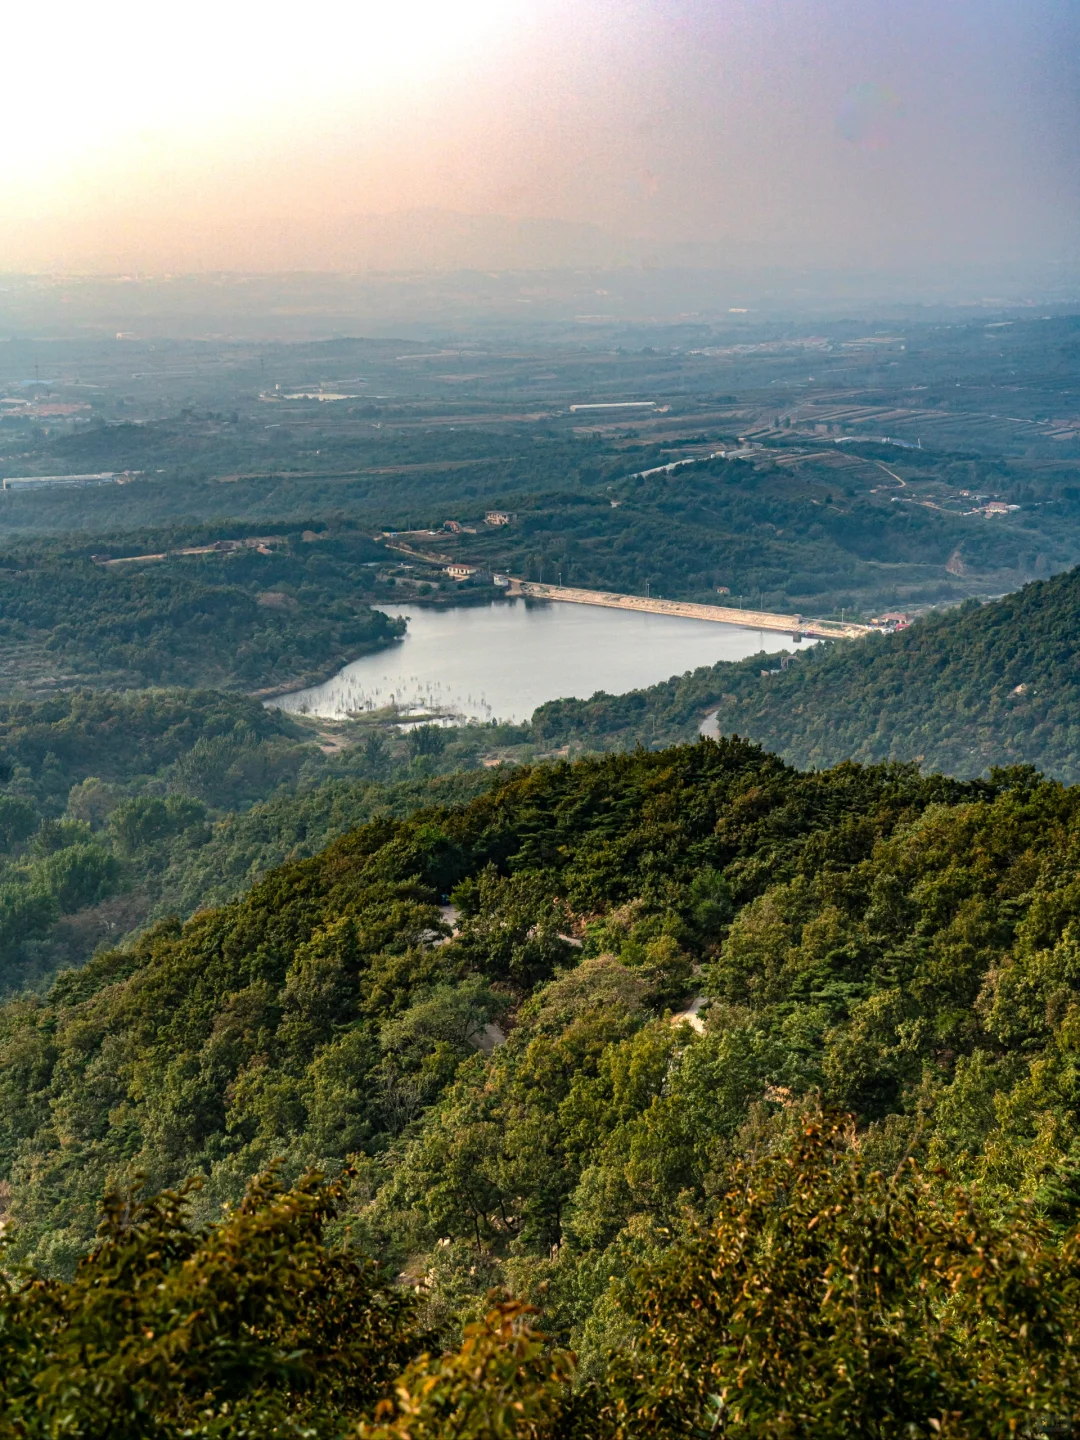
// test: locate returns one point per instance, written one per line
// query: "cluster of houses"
(493, 517)
(460, 571)
(996, 507)
(992, 507)
(894, 620)
(474, 572)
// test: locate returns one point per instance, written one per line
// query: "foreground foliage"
(503, 1381)
(252, 1326)
(825, 1298)
(815, 1297)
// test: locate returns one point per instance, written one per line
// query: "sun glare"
(120, 79)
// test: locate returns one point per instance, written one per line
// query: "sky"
(877, 134)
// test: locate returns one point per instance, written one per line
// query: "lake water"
(500, 661)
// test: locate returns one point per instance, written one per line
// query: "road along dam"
(719, 614)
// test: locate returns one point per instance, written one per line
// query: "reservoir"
(500, 661)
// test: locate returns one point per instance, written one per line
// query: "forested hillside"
(118, 808)
(900, 944)
(594, 1080)
(960, 691)
(245, 618)
(986, 685)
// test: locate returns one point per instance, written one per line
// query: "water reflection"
(500, 661)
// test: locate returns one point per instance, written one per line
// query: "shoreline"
(317, 677)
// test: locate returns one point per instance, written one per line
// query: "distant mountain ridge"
(418, 239)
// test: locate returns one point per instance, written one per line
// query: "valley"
(540, 721)
(556, 792)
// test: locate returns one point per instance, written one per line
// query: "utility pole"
(646, 590)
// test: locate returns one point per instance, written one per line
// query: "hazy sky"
(224, 135)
